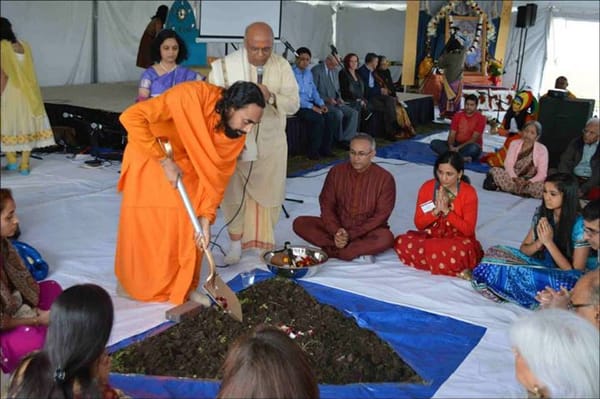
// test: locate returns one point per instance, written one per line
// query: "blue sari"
(159, 84)
(507, 274)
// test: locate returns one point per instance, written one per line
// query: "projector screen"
(228, 19)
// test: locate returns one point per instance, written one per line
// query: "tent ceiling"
(588, 8)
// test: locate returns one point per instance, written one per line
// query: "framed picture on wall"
(476, 44)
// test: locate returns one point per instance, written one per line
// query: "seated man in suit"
(378, 98)
(582, 159)
(323, 125)
(356, 201)
(466, 132)
(326, 79)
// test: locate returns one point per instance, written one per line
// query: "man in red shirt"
(466, 132)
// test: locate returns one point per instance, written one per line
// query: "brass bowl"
(298, 252)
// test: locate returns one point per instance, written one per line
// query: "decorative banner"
(449, 8)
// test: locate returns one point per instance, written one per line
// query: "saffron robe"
(156, 256)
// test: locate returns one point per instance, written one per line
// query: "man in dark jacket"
(582, 158)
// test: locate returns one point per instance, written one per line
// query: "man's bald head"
(258, 41)
(258, 28)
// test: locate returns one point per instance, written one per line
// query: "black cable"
(214, 242)
(236, 212)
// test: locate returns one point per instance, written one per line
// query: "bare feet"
(466, 274)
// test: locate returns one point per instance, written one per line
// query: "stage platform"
(92, 110)
(109, 97)
(419, 107)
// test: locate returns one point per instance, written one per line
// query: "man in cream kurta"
(252, 202)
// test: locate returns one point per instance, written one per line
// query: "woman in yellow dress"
(24, 122)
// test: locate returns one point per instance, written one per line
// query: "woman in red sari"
(446, 217)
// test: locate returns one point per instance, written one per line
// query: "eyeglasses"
(588, 131)
(575, 306)
(359, 154)
(590, 231)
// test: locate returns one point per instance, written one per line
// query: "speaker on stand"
(526, 16)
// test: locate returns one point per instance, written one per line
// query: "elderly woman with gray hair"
(525, 167)
(556, 355)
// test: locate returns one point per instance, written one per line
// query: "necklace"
(165, 69)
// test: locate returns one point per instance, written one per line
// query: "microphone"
(259, 74)
(288, 46)
(334, 52)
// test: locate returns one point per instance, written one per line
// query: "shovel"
(215, 287)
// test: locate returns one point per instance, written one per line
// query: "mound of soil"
(339, 350)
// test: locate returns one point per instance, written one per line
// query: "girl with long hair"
(74, 362)
(553, 254)
(25, 303)
(266, 363)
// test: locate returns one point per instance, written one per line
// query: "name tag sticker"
(427, 206)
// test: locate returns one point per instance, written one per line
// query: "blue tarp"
(433, 345)
(407, 150)
(414, 151)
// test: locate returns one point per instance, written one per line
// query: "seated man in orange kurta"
(156, 257)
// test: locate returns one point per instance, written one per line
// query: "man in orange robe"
(156, 255)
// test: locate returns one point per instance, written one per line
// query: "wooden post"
(411, 31)
(502, 35)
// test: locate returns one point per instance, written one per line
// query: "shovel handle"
(168, 149)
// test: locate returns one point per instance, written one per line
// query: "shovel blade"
(224, 297)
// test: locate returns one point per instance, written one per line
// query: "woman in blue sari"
(168, 51)
(553, 254)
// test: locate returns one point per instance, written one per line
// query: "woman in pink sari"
(25, 303)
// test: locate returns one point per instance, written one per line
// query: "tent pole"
(95, 41)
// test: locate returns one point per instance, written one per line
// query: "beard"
(232, 133)
(229, 131)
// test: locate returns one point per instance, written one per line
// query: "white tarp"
(73, 224)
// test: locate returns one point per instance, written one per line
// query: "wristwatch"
(271, 99)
